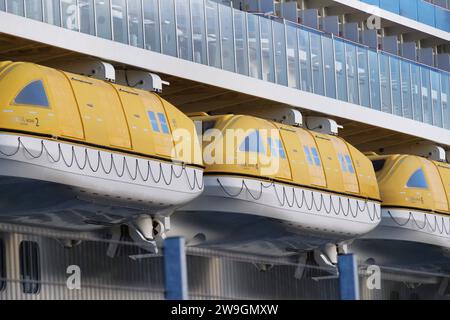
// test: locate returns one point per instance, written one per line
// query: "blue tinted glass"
(349, 164)
(153, 121)
(281, 150)
(426, 13)
(279, 40)
(212, 33)
(406, 90)
(352, 79)
(436, 98)
(317, 64)
(33, 94)
(391, 5)
(254, 46)
(253, 143)
(292, 57)
(416, 92)
(426, 95)
(445, 96)
(443, 19)
(363, 77)
(395, 86)
(328, 59)
(267, 49)
(408, 9)
(227, 37)
(163, 121)
(304, 55)
(241, 43)
(417, 180)
(374, 80)
(308, 155)
(385, 81)
(340, 68)
(316, 156)
(341, 160)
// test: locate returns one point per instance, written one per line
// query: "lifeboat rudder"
(278, 184)
(415, 194)
(83, 154)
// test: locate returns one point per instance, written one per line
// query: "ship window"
(163, 121)
(378, 164)
(33, 94)
(153, 121)
(308, 155)
(316, 156)
(417, 180)
(253, 143)
(342, 162)
(281, 149)
(29, 267)
(2, 266)
(349, 164)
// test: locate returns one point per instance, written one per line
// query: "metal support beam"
(175, 272)
(348, 277)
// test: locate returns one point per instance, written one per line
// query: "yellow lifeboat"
(273, 189)
(415, 195)
(80, 153)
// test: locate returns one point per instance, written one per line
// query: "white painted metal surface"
(414, 226)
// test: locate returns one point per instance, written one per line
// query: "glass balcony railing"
(208, 33)
(419, 10)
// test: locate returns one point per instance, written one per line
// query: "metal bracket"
(90, 68)
(284, 115)
(141, 80)
(323, 125)
(423, 149)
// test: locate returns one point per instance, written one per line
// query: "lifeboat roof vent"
(141, 80)
(90, 68)
(323, 125)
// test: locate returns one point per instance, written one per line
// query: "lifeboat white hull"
(268, 218)
(407, 239)
(413, 226)
(58, 184)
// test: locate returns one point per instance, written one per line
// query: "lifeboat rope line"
(426, 223)
(194, 184)
(374, 216)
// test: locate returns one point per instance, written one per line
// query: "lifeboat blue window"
(316, 156)
(341, 160)
(273, 150)
(163, 121)
(417, 180)
(33, 94)
(253, 143)
(349, 164)
(308, 155)
(281, 150)
(153, 121)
